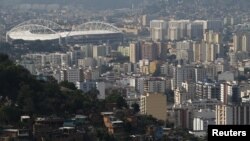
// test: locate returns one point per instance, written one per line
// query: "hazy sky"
(121, 3)
(85, 3)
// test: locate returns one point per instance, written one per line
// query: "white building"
(203, 118)
(101, 50)
(180, 96)
(224, 115)
(88, 50)
(86, 86)
(140, 84)
(226, 76)
(87, 62)
(182, 74)
(184, 51)
(177, 29)
(124, 50)
(215, 25)
(101, 87)
(189, 88)
(229, 92)
(29, 65)
(195, 30)
(155, 85)
(75, 55)
(134, 49)
(74, 75)
(158, 30)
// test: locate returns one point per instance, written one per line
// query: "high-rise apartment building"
(237, 43)
(189, 88)
(206, 90)
(177, 29)
(144, 20)
(155, 85)
(102, 50)
(74, 75)
(215, 25)
(183, 118)
(182, 74)
(180, 96)
(212, 37)
(195, 30)
(241, 42)
(233, 115)
(212, 51)
(134, 52)
(154, 104)
(246, 42)
(184, 51)
(197, 50)
(158, 30)
(88, 50)
(149, 50)
(124, 50)
(241, 114)
(223, 114)
(229, 92)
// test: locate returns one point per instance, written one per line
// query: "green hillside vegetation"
(23, 94)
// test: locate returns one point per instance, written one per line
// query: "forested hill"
(22, 93)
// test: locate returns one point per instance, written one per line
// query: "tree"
(9, 114)
(121, 102)
(68, 85)
(4, 60)
(50, 100)
(103, 135)
(75, 102)
(24, 94)
(92, 94)
(136, 108)
(128, 127)
(144, 121)
(169, 124)
(11, 76)
(116, 98)
(25, 100)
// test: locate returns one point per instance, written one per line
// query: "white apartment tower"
(158, 30)
(224, 115)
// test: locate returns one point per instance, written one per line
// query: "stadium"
(44, 30)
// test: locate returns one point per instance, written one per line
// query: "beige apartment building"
(154, 104)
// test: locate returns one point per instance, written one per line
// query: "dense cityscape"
(136, 70)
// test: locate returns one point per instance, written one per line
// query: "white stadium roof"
(46, 30)
(28, 36)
